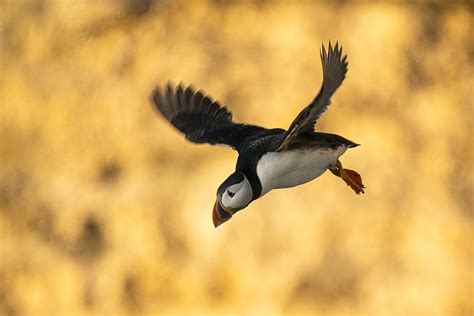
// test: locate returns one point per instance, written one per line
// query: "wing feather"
(334, 72)
(200, 118)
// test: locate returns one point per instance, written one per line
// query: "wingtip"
(155, 93)
(158, 100)
(332, 47)
(190, 88)
(169, 86)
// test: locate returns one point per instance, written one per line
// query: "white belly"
(288, 169)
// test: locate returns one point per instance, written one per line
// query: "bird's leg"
(351, 177)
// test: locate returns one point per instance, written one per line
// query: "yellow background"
(105, 209)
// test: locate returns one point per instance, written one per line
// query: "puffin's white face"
(234, 194)
(237, 196)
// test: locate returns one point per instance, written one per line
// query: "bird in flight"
(268, 158)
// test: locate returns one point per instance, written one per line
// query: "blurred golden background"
(106, 209)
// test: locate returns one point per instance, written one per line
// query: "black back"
(253, 151)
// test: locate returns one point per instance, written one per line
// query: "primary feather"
(334, 72)
(203, 120)
(200, 118)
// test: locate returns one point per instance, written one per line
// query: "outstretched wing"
(201, 119)
(334, 72)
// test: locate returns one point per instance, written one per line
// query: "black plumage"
(201, 119)
(334, 72)
(204, 120)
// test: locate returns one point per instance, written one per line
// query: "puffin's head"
(234, 194)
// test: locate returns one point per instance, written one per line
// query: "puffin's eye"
(231, 194)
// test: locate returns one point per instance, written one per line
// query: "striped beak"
(220, 215)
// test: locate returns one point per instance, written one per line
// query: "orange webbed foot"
(350, 177)
(355, 181)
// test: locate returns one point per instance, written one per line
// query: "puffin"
(268, 158)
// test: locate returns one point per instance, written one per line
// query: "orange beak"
(219, 214)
